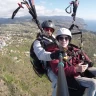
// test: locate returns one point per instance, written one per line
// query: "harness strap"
(41, 38)
(72, 53)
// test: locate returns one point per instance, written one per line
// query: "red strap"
(20, 5)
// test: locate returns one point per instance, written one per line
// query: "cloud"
(7, 7)
(10, 5)
(43, 2)
(43, 11)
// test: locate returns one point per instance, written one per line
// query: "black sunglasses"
(61, 38)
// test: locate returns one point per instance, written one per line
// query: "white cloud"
(41, 10)
(10, 5)
(43, 2)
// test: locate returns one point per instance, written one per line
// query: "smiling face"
(63, 40)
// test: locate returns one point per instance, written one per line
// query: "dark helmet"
(48, 24)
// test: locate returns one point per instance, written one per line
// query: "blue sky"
(86, 9)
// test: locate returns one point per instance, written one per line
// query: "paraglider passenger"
(73, 67)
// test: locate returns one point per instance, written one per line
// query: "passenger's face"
(63, 41)
(48, 31)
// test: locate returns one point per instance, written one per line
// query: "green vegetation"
(8, 78)
(15, 67)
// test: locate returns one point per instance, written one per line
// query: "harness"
(48, 44)
(71, 53)
(40, 67)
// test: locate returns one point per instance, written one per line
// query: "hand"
(55, 55)
(81, 68)
(90, 64)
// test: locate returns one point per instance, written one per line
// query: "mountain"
(12, 21)
(17, 77)
(61, 20)
(23, 19)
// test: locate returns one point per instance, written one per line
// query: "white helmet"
(63, 31)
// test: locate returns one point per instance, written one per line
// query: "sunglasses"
(62, 38)
(49, 29)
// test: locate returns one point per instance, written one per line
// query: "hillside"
(17, 77)
(58, 20)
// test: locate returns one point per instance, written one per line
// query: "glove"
(90, 64)
(55, 55)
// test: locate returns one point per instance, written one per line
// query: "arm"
(75, 67)
(76, 70)
(86, 57)
(87, 60)
(71, 71)
(40, 51)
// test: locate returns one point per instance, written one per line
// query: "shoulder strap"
(72, 45)
(71, 52)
